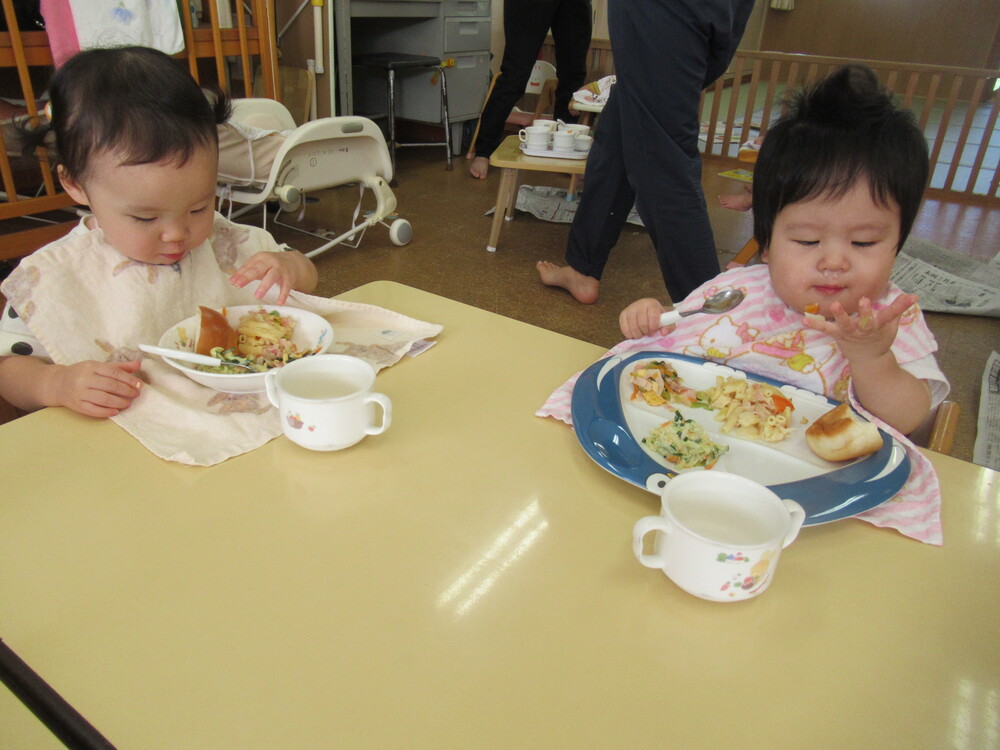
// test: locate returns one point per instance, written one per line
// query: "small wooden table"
(511, 161)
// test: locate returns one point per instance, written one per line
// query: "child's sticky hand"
(96, 389)
(269, 269)
(642, 318)
(870, 332)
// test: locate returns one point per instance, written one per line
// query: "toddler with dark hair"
(836, 189)
(135, 139)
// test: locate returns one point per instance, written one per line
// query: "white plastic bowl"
(311, 332)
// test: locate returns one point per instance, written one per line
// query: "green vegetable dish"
(684, 443)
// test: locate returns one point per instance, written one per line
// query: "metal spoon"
(719, 302)
(197, 359)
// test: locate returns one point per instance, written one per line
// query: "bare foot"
(583, 288)
(739, 201)
(479, 167)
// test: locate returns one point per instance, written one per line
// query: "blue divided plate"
(610, 427)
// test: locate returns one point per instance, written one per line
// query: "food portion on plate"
(261, 341)
(839, 435)
(713, 404)
(751, 409)
(658, 383)
(267, 336)
(684, 443)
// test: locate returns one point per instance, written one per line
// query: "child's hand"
(867, 335)
(288, 270)
(97, 389)
(642, 318)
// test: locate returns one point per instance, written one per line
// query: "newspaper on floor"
(550, 204)
(947, 281)
(986, 451)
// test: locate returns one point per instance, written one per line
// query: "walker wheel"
(400, 232)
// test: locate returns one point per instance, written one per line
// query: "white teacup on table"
(584, 142)
(326, 401)
(718, 535)
(536, 136)
(563, 142)
(549, 125)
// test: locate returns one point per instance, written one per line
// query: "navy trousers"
(525, 25)
(645, 149)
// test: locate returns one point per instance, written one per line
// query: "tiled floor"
(448, 257)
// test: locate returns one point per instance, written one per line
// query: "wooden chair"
(937, 433)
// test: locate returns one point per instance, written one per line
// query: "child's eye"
(200, 210)
(143, 219)
(807, 243)
(865, 244)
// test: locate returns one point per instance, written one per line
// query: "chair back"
(540, 73)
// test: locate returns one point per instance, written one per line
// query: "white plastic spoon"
(719, 302)
(197, 359)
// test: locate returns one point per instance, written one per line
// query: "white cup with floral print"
(718, 535)
(326, 402)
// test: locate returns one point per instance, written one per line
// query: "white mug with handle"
(326, 401)
(718, 535)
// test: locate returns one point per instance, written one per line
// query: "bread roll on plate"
(839, 435)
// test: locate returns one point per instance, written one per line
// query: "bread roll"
(215, 331)
(839, 435)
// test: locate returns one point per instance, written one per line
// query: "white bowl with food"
(259, 338)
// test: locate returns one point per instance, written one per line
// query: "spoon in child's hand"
(719, 302)
(197, 359)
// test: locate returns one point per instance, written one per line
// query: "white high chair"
(323, 153)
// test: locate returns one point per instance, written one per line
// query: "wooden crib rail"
(957, 108)
(25, 57)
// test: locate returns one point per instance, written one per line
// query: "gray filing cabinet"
(458, 34)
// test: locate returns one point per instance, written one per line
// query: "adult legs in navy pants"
(645, 147)
(525, 24)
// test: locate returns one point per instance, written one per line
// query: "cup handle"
(522, 136)
(269, 387)
(798, 518)
(382, 400)
(642, 527)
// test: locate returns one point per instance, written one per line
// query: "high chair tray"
(553, 154)
(610, 426)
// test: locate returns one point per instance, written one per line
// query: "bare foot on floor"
(583, 288)
(738, 201)
(479, 167)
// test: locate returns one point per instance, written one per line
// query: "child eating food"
(135, 139)
(836, 190)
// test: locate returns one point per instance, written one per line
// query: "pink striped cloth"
(766, 337)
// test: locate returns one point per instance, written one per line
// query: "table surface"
(466, 580)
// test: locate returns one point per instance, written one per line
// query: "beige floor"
(448, 257)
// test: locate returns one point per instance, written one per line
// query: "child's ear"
(72, 187)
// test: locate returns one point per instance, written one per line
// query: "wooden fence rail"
(957, 108)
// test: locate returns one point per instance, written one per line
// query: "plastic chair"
(324, 153)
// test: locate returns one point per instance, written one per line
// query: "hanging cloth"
(73, 25)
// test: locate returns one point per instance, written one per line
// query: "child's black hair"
(135, 102)
(844, 129)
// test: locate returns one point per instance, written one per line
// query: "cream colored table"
(511, 161)
(466, 581)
